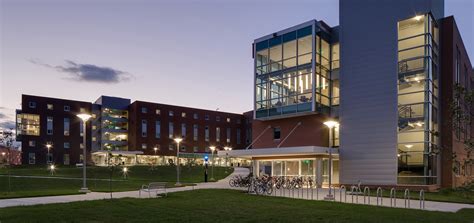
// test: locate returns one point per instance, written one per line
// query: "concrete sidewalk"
(309, 194)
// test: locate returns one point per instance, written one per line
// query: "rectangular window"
(195, 116)
(218, 118)
(206, 117)
(67, 145)
(82, 110)
(183, 114)
(66, 159)
(171, 147)
(228, 135)
(66, 126)
(67, 108)
(50, 106)
(144, 128)
(158, 111)
(28, 124)
(218, 134)
(195, 132)
(238, 136)
(49, 125)
(31, 158)
(157, 129)
(170, 130)
(195, 149)
(183, 130)
(144, 110)
(206, 133)
(32, 143)
(238, 121)
(276, 133)
(228, 120)
(170, 113)
(32, 104)
(143, 145)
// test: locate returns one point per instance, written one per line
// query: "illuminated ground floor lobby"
(306, 161)
(131, 158)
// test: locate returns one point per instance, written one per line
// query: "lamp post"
(84, 117)
(156, 159)
(330, 124)
(227, 149)
(177, 140)
(213, 148)
(48, 147)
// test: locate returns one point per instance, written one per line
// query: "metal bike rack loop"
(367, 193)
(406, 196)
(379, 195)
(342, 188)
(422, 199)
(393, 197)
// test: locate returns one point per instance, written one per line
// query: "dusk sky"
(189, 53)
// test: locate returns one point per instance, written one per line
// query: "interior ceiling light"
(408, 146)
(418, 17)
(419, 124)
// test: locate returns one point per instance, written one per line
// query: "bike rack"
(379, 195)
(367, 193)
(340, 193)
(406, 196)
(352, 194)
(393, 197)
(422, 199)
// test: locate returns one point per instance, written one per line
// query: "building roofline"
(184, 107)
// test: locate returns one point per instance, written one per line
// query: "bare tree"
(7, 137)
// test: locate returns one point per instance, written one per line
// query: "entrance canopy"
(282, 151)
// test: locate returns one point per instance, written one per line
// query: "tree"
(462, 112)
(7, 138)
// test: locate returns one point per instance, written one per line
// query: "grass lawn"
(222, 206)
(137, 176)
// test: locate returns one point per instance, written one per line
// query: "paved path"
(311, 194)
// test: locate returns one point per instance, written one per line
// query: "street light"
(227, 149)
(84, 117)
(330, 124)
(213, 148)
(177, 140)
(48, 147)
(52, 168)
(155, 159)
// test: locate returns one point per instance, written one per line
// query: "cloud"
(88, 72)
(7, 125)
(6, 121)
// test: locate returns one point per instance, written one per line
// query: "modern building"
(140, 133)
(386, 74)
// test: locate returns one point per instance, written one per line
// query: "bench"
(154, 187)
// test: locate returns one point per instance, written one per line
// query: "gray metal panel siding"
(368, 107)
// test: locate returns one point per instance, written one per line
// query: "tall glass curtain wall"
(284, 78)
(417, 100)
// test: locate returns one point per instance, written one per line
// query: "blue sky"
(191, 53)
